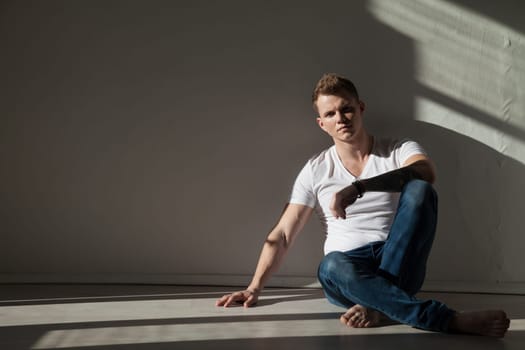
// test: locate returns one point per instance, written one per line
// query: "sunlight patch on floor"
(203, 331)
(214, 331)
(23, 315)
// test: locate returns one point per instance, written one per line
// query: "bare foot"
(361, 317)
(492, 323)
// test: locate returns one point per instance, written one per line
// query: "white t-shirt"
(370, 217)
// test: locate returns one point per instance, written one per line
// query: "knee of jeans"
(332, 265)
(329, 264)
(419, 192)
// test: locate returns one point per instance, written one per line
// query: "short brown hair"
(333, 84)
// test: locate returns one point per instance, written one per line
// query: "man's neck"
(355, 151)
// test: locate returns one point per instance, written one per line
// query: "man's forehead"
(329, 101)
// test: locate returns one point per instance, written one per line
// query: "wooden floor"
(176, 317)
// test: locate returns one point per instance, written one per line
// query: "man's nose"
(341, 117)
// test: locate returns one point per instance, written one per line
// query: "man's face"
(340, 116)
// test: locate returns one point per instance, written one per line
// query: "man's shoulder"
(322, 157)
(396, 150)
(387, 145)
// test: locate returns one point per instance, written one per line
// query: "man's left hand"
(342, 200)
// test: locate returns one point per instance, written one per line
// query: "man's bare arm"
(416, 167)
(277, 244)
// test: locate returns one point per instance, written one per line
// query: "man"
(376, 202)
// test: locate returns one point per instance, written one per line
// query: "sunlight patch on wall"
(437, 114)
(434, 113)
(470, 66)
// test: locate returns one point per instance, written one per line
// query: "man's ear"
(320, 122)
(362, 106)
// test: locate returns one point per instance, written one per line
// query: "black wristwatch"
(359, 187)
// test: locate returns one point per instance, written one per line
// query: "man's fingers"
(247, 298)
(337, 207)
(222, 300)
(229, 299)
(233, 298)
(250, 301)
(341, 201)
(338, 213)
(225, 300)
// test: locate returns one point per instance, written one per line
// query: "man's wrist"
(359, 187)
(253, 290)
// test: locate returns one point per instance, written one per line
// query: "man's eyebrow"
(328, 112)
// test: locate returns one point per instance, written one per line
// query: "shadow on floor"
(428, 341)
(354, 342)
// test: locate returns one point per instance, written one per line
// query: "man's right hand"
(246, 297)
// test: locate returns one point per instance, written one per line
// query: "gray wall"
(157, 141)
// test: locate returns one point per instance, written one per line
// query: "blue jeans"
(385, 276)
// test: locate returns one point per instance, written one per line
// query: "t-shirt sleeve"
(303, 191)
(406, 149)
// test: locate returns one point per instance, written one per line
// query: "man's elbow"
(279, 238)
(286, 240)
(429, 172)
(430, 178)
(424, 170)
